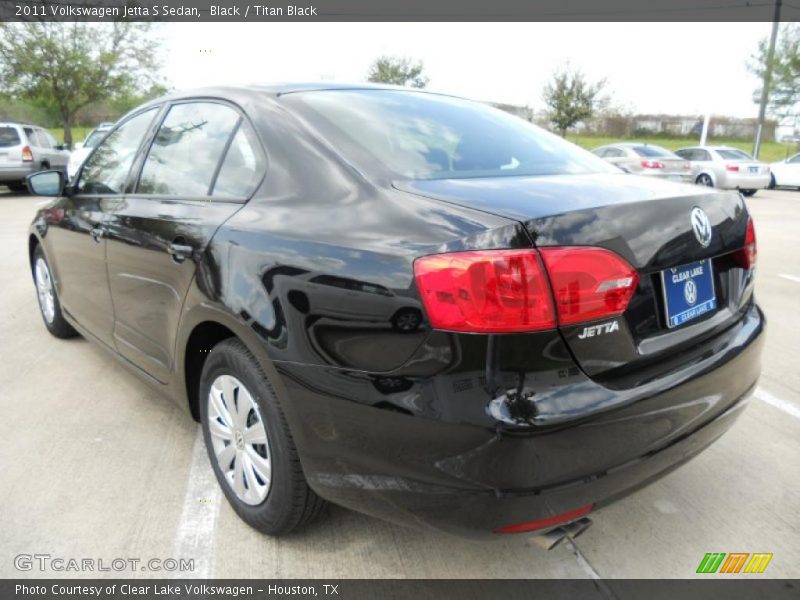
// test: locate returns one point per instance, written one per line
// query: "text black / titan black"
(408, 304)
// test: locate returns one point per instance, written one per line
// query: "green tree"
(397, 71)
(784, 89)
(64, 67)
(570, 98)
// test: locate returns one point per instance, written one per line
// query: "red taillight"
(546, 523)
(652, 164)
(746, 257)
(489, 291)
(27, 155)
(732, 168)
(504, 291)
(588, 283)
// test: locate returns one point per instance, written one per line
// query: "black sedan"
(405, 303)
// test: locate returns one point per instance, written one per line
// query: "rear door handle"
(179, 252)
(97, 233)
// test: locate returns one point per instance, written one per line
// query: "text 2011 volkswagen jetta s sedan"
(405, 303)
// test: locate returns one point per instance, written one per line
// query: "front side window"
(415, 135)
(187, 149)
(107, 169)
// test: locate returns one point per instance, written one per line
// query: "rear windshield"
(651, 151)
(9, 137)
(426, 136)
(734, 155)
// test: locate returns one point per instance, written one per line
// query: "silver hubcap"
(44, 289)
(239, 439)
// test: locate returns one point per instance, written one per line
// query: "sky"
(673, 68)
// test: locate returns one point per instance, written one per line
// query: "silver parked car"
(26, 149)
(646, 159)
(786, 173)
(727, 168)
(83, 149)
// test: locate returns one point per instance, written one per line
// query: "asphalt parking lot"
(96, 465)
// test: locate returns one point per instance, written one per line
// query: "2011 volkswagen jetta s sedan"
(405, 303)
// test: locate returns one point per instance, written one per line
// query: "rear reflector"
(746, 257)
(732, 168)
(27, 155)
(588, 283)
(489, 291)
(549, 522)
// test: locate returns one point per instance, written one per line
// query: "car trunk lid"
(646, 222)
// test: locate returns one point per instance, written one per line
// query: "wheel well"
(201, 341)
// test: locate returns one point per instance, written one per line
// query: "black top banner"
(398, 10)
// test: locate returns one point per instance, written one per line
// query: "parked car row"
(713, 166)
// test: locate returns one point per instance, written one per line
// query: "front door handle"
(97, 233)
(179, 252)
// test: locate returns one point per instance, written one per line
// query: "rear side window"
(9, 136)
(241, 170)
(107, 169)
(187, 150)
(615, 153)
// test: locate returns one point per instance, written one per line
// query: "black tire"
(407, 320)
(290, 503)
(772, 183)
(704, 179)
(749, 193)
(19, 188)
(58, 326)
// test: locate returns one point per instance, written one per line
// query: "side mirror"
(46, 183)
(62, 147)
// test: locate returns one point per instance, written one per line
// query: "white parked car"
(786, 173)
(726, 168)
(84, 149)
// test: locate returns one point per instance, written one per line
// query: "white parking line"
(790, 408)
(194, 538)
(794, 278)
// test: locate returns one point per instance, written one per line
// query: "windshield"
(8, 137)
(425, 136)
(651, 151)
(94, 138)
(734, 155)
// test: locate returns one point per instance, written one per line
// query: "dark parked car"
(405, 303)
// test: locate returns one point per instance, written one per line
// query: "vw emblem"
(701, 226)
(690, 292)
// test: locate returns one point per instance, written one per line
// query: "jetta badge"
(701, 226)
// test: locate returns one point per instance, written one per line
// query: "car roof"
(278, 89)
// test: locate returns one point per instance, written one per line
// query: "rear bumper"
(456, 477)
(732, 181)
(16, 172)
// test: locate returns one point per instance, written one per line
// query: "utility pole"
(762, 109)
